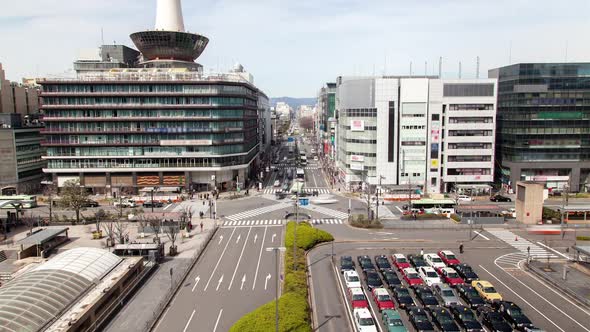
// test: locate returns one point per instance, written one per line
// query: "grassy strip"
(294, 311)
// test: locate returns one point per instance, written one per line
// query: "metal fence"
(177, 282)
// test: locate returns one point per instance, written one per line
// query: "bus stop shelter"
(42, 242)
(582, 254)
(576, 212)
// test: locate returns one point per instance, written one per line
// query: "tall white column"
(169, 16)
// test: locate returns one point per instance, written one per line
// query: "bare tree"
(172, 232)
(306, 122)
(186, 216)
(121, 230)
(155, 224)
(109, 228)
(30, 221)
(100, 216)
(50, 191)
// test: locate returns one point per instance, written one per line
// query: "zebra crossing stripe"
(522, 244)
(279, 222)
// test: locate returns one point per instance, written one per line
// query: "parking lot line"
(344, 297)
(520, 297)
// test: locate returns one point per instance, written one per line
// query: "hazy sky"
(292, 47)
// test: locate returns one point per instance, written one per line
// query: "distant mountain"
(293, 102)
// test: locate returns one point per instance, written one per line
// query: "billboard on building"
(357, 167)
(357, 158)
(357, 125)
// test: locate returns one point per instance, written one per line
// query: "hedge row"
(294, 311)
(583, 238)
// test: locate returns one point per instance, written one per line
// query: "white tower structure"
(169, 16)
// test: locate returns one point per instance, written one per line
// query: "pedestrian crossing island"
(278, 222)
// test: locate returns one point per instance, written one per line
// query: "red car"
(400, 261)
(450, 276)
(411, 277)
(383, 299)
(358, 298)
(448, 257)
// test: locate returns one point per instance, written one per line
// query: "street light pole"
(278, 284)
(377, 195)
(152, 202)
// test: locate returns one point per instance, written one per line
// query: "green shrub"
(550, 214)
(372, 225)
(583, 238)
(456, 217)
(307, 236)
(424, 216)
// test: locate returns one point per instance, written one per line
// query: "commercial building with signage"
(544, 124)
(160, 122)
(420, 132)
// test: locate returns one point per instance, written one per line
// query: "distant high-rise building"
(155, 120)
(544, 124)
(18, 98)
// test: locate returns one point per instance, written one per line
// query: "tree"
(121, 232)
(74, 197)
(49, 191)
(30, 221)
(172, 230)
(156, 225)
(306, 122)
(99, 216)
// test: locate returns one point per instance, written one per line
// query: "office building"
(544, 124)
(418, 132)
(18, 98)
(162, 123)
(327, 119)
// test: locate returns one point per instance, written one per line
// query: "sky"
(293, 47)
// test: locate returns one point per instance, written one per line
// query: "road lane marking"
(167, 206)
(219, 260)
(217, 322)
(400, 210)
(525, 301)
(189, 321)
(239, 259)
(372, 309)
(266, 281)
(255, 238)
(485, 237)
(219, 283)
(273, 238)
(259, 257)
(197, 279)
(240, 236)
(555, 251)
(243, 281)
(220, 239)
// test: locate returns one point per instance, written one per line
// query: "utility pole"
(405, 169)
(278, 283)
(377, 195)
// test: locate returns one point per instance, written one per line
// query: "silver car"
(445, 295)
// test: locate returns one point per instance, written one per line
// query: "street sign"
(303, 201)
(290, 139)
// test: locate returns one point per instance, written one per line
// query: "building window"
(435, 117)
(468, 90)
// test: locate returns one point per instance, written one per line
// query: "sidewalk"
(144, 305)
(576, 284)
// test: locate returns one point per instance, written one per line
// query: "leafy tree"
(74, 197)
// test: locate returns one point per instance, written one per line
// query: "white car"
(463, 198)
(277, 183)
(363, 320)
(315, 158)
(429, 275)
(351, 278)
(434, 261)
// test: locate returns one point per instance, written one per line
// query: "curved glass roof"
(31, 301)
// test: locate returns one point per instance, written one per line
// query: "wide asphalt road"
(234, 276)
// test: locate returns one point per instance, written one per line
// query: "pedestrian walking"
(421, 252)
(461, 248)
(201, 227)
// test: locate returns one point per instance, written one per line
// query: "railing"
(149, 76)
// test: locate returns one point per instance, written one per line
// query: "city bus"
(434, 205)
(27, 201)
(300, 175)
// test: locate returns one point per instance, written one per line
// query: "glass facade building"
(544, 124)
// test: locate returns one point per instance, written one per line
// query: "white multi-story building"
(416, 131)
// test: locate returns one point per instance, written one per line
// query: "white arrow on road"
(219, 282)
(239, 237)
(255, 238)
(273, 238)
(243, 281)
(197, 279)
(220, 239)
(266, 281)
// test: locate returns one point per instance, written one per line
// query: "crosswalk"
(306, 190)
(521, 244)
(326, 211)
(291, 167)
(277, 222)
(259, 211)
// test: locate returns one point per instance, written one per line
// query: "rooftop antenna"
(566, 47)
(385, 65)
(102, 36)
(410, 68)
(425, 68)
(477, 68)
(510, 53)
(459, 69)
(440, 67)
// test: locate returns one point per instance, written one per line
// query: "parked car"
(346, 264)
(403, 297)
(446, 295)
(441, 317)
(126, 203)
(500, 198)
(513, 315)
(463, 198)
(450, 276)
(392, 321)
(434, 261)
(429, 276)
(365, 263)
(425, 296)
(277, 183)
(412, 277)
(382, 299)
(391, 278)
(351, 278)
(419, 319)
(448, 257)
(363, 320)
(466, 272)
(149, 204)
(372, 279)
(486, 290)
(382, 262)
(357, 298)
(470, 296)
(315, 158)
(90, 203)
(400, 261)
(492, 319)
(466, 319)
(417, 261)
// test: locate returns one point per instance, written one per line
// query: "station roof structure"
(43, 236)
(29, 303)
